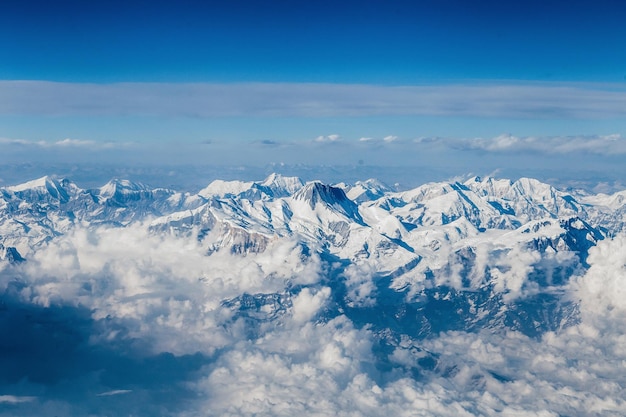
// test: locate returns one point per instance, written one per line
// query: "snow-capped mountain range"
(453, 241)
(364, 221)
(484, 294)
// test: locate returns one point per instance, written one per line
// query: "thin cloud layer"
(61, 144)
(597, 144)
(543, 101)
(583, 161)
(506, 143)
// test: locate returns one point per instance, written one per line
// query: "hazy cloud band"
(205, 100)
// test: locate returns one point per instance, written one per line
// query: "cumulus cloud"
(308, 303)
(300, 369)
(360, 286)
(161, 288)
(263, 335)
(577, 370)
(511, 374)
(510, 271)
(569, 101)
(328, 138)
(602, 289)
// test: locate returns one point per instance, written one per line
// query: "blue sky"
(211, 77)
(379, 42)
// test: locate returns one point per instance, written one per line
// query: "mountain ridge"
(347, 282)
(459, 238)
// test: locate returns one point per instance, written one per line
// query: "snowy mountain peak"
(368, 190)
(384, 294)
(281, 186)
(536, 188)
(10, 254)
(117, 186)
(33, 184)
(45, 187)
(315, 193)
(221, 188)
(527, 197)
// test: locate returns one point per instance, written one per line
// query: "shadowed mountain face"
(128, 299)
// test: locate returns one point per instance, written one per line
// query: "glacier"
(484, 296)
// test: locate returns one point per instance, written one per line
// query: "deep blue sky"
(313, 41)
(178, 72)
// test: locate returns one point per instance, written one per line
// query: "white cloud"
(74, 142)
(163, 294)
(361, 289)
(307, 304)
(501, 144)
(510, 271)
(599, 144)
(164, 288)
(14, 399)
(328, 138)
(510, 374)
(602, 289)
(300, 369)
(64, 143)
(114, 392)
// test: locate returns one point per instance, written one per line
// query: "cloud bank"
(130, 322)
(596, 144)
(205, 100)
(583, 161)
(502, 144)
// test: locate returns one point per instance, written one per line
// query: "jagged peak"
(121, 186)
(29, 185)
(10, 254)
(486, 180)
(426, 191)
(275, 178)
(373, 182)
(43, 182)
(223, 188)
(489, 186)
(281, 185)
(57, 188)
(368, 190)
(507, 188)
(611, 201)
(533, 186)
(316, 191)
